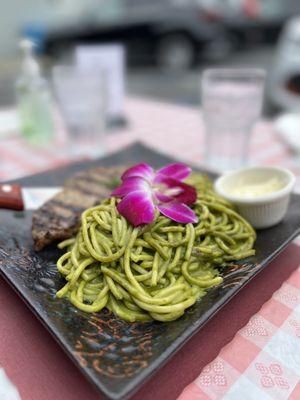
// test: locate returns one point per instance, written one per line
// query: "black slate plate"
(116, 356)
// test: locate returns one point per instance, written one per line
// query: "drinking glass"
(81, 98)
(232, 103)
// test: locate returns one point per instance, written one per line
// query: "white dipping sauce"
(257, 189)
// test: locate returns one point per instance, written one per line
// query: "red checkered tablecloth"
(263, 360)
(173, 129)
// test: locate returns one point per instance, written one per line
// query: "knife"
(16, 197)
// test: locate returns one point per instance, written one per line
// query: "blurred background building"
(164, 40)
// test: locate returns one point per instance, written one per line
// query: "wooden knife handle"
(11, 197)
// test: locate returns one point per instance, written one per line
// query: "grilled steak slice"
(59, 218)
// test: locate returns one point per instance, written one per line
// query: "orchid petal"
(178, 212)
(186, 194)
(139, 170)
(130, 185)
(175, 171)
(137, 207)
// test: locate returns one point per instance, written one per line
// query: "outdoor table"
(40, 369)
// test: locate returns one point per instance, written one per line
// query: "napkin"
(7, 390)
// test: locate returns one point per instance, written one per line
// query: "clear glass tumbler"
(232, 102)
(81, 98)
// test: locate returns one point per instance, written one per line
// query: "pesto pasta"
(154, 271)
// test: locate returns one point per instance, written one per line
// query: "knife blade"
(16, 197)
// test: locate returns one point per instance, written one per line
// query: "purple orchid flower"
(143, 190)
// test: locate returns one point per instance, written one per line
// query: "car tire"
(175, 52)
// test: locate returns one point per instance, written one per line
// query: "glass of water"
(232, 102)
(81, 98)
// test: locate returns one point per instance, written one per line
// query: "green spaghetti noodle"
(156, 271)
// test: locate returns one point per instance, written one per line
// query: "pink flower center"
(165, 190)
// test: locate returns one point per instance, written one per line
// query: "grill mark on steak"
(59, 218)
(86, 188)
(67, 207)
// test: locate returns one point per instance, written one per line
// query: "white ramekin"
(262, 211)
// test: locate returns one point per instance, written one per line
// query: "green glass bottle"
(34, 100)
